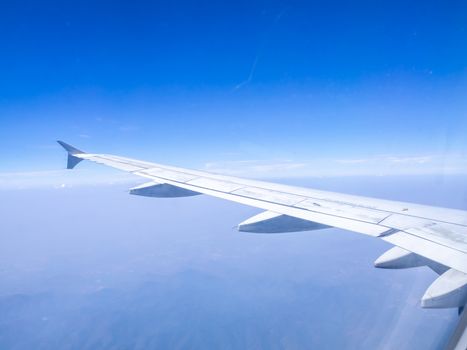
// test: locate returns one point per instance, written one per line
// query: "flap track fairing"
(270, 222)
(161, 190)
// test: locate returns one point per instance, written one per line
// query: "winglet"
(70, 149)
(72, 152)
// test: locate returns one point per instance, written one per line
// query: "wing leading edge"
(423, 235)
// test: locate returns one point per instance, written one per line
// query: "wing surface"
(423, 235)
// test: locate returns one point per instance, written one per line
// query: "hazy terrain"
(92, 267)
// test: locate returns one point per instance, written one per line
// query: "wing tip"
(72, 160)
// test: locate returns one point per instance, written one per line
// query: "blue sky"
(254, 88)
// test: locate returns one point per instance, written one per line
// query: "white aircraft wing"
(422, 235)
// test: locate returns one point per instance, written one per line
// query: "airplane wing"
(422, 235)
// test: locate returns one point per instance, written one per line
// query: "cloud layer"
(384, 165)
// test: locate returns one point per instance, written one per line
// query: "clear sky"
(250, 88)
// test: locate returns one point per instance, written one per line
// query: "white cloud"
(358, 166)
(419, 160)
(254, 167)
(59, 179)
(390, 159)
(352, 161)
(371, 166)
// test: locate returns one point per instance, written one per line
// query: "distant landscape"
(92, 267)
